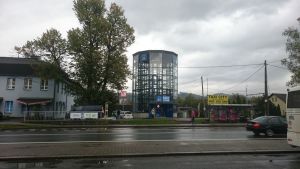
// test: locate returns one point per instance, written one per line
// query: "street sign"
(123, 93)
(217, 99)
(122, 101)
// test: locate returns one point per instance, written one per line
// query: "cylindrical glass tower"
(155, 82)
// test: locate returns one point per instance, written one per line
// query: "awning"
(34, 101)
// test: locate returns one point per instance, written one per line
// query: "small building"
(279, 99)
(22, 90)
(230, 112)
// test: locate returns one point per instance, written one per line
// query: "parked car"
(126, 115)
(269, 125)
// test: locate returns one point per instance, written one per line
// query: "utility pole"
(266, 91)
(203, 96)
(208, 114)
(207, 87)
(246, 95)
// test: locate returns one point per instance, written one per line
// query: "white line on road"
(76, 134)
(127, 141)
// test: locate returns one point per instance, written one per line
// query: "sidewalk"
(141, 148)
(13, 125)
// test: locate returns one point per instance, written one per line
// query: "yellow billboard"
(217, 99)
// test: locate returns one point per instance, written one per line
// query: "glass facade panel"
(155, 76)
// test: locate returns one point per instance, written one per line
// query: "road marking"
(128, 141)
(72, 134)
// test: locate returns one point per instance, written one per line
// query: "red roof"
(34, 101)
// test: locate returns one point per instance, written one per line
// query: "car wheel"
(269, 132)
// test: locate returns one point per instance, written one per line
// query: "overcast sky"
(202, 33)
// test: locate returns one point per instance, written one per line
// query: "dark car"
(269, 125)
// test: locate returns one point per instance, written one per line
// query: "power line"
(280, 67)
(218, 66)
(244, 79)
(275, 61)
(186, 83)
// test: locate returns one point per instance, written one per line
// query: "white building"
(21, 90)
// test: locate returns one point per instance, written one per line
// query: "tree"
(274, 110)
(293, 50)
(52, 49)
(237, 99)
(99, 65)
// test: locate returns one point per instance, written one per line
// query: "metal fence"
(45, 115)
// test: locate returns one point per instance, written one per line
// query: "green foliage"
(98, 48)
(259, 104)
(260, 107)
(274, 110)
(52, 49)
(293, 50)
(237, 99)
(188, 101)
(97, 63)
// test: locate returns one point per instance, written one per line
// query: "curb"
(204, 153)
(124, 126)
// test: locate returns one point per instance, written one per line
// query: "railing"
(45, 115)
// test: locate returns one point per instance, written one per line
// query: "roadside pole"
(266, 91)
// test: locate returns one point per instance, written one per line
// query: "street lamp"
(266, 103)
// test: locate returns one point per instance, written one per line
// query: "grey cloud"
(153, 15)
(202, 32)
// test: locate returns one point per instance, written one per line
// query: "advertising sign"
(90, 115)
(158, 99)
(162, 98)
(75, 115)
(166, 98)
(123, 93)
(122, 101)
(218, 99)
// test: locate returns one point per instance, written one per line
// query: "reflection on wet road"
(276, 161)
(130, 134)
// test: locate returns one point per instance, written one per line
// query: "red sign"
(123, 93)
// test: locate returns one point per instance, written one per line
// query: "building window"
(44, 84)
(8, 106)
(62, 88)
(27, 83)
(57, 87)
(11, 83)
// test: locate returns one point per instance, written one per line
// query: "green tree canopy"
(293, 50)
(52, 49)
(98, 48)
(96, 65)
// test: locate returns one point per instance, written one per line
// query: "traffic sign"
(123, 93)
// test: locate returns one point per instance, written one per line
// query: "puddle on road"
(55, 163)
(30, 164)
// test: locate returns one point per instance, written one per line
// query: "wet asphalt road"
(129, 134)
(275, 161)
